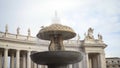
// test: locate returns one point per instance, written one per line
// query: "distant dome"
(65, 31)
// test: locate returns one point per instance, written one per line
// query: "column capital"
(102, 53)
(17, 49)
(1, 49)
(23, 52)
(29, 51)
(86, 53)
(5, 48)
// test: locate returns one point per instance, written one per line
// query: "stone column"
(70, 66)
(0, 59)
(46, 66)
(99, 62)
(41, 66)
(5, 58)
(32, 64)
(73, 66)
(103, 61)
(28, 60)
(12, 60)
(84, 62)
(87, 61)
(90, 63)
(24, 61)
(35, 65)
(95, 61)
(21, 62)
(81, 64)
(17, 58)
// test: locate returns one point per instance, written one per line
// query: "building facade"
(15, 50)
(113, 62)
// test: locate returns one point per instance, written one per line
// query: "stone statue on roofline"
(18, 31)
(78, 38)
(99, 37)
(29, 32)
(6, 28)
(89, 35)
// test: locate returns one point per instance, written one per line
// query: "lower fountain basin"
(56, 57)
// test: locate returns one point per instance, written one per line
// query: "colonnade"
(18, 59)
(95, 60)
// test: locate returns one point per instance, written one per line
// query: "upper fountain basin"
(56, 29)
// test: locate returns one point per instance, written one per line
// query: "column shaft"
(17, 59)
(24, 61)
(28, 60)
(35, 65)
(70, 66)
(87, 60)
(103, 61)
(90, 63)
(0, 59)
(32, 64)
(99, 62)
(12, 60)
(95, 61)
(6, 58)
(41, 66)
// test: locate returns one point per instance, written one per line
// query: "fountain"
(56, 57)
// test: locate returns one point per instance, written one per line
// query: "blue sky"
(102, 15)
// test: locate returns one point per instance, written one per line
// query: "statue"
(6, 28)
(78, 38)
(85, 34)
(18, 31)
(42, 27)
(29, 33)
(99, 37)
(90, 33)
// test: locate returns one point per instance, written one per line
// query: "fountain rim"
(56, 57)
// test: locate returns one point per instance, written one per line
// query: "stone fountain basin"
(56, 57)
